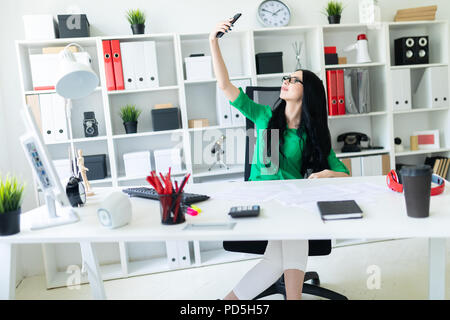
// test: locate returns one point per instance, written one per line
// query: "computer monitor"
(59, 210)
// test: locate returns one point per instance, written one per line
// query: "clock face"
(274, 13)
(82, 192)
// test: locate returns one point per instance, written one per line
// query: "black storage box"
(166, 119)
(73, 26)
(269, 62)
(331, 58)
(96, 165)
(412, 50)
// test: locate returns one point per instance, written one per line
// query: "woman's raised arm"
(220, 70)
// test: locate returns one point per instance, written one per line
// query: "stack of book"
(440, 165)
(415, 14)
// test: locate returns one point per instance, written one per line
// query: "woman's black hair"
(314, 121)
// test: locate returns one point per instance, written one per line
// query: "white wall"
(107, 18)
(5, 165)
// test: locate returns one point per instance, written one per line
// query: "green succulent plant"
(333, 8)
(11, 194)
(130, 113)
(135, 16)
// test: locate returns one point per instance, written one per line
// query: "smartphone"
(236, 16)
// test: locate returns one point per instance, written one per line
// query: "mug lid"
(418, 170)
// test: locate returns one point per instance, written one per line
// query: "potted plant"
(136, 18)
(130, 115)
(11, 192)
(334, 10)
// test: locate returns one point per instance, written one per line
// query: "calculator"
(244, 211)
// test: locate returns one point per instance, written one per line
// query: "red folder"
(332, 94)
(117, 62)
(109, 68)
(340, 91)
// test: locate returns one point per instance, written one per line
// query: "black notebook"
(338, 210)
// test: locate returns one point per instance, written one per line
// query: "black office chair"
(268, 96)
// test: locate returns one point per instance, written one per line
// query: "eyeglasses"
(292, 79)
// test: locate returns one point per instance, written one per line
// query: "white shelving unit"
(197, 99)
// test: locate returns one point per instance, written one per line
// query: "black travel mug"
(416, 182)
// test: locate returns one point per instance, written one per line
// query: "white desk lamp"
(76, 80)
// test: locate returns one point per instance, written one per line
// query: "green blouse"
(289, 166)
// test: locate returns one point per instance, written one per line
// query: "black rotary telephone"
(352, 141)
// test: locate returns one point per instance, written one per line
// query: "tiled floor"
(401, 264)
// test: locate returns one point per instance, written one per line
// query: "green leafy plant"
(130, 113)
(333, 8)
(11, 192)
(135, 16)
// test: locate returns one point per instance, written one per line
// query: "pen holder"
(172, 209)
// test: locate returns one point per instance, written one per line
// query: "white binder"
(46, 103)
(184, 256)
(432, 90)
(223, 108)
(172, 254)
(238, 119)
(128, 57)
(151, 64)
(138, 53)
(401, 93)
(227, 115)
(60, 119)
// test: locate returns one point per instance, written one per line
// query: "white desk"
(384, 218)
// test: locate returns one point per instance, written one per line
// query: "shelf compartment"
(281, 39)
(144, 101)
(342, 36)
(437, 32)
(235, 47)
(145, 143)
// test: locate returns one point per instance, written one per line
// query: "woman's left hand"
(323, 174)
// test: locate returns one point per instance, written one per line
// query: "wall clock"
(273, 13)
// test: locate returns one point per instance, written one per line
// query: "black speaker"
(411, 50)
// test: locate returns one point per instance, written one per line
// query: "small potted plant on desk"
(334, 10)
(11, 192)
(136, 18)
(130, 115)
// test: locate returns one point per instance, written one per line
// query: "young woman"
(299, 117)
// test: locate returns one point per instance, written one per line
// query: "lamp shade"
(76, 80)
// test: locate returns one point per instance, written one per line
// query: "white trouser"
(279, 256)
